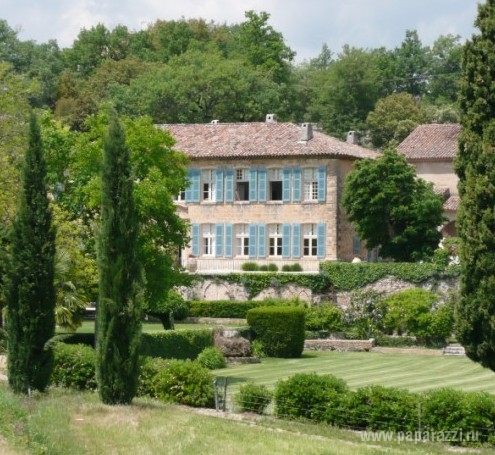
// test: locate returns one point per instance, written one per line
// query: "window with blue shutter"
(262, 184)
(297, 184)
(253, 184)
(322, 235)
(286, 240)
(286, 184)
(228, 240)
(296, 240)
(219, 240)
(261, 240)
(192, 191)
(195, 239)
(219, 185)
(322, 184)
(229, 185)
(252, 240)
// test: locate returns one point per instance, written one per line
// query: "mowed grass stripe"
(409, 371)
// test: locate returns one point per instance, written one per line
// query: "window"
(275, 240)
(275, 184)
(181, 197)
(242, 185)
(310, 184)
(208, 185)
(242, 240)
(208, 239)
(310, 240)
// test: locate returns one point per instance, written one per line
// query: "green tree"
(475, 166)
(393, 118)
(118, 314)
(392, 209)
(30, 289)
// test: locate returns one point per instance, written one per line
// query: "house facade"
(265, 192)
(431, 149)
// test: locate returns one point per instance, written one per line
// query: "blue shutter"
(228, 240)
(192, 191)
(253, 191)
(322, 184)
(296, 240)
(219, 185)
(195, 239)
(261, 240)
(219, 240)
(262, 184)
(286, 240)
(286, 184)
(297, 184)
(321, 239)
(252, 240)
(229, 185)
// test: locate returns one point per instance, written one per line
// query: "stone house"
(266, 192)
(431, 149)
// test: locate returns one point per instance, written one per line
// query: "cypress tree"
(118, 314)
(475, 166)
(30, 290)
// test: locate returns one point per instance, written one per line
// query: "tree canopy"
(391, 209)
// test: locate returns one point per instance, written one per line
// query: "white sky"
(305, 24)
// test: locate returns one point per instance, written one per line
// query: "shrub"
(382, 408)
(250, 267)
(185, 382)
(292, 268)
(272, 267)
(325, 317)
(212, 358)
(74, 366)
(176, 344)
(311, 396)
(221, 308)
(253, 398)
(148, 369)
(279, 329)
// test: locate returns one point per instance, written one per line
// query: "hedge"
(176, 344)
(220, 308)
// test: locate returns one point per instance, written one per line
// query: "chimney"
(271, 118)
(352, 137)
(306, 132)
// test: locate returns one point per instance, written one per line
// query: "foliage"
(382, 408)
(74, 366)
(118, 314)
(185, 382)
(279, 329)
(393, 210)
(211, 358)
(292, 268)
(365, 313)
(253, 398)
(221, 308)
(326, 317)
(311, 396)
(476, 171)
(30, 291)
(176, 344)
(250, 267)
(149, 368)
(174, 308)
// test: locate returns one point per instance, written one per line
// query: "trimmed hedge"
(74, 366)
(75, 338)
(176, 344)
(220, 308)
(280, 330)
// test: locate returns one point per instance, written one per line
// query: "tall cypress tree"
(118, 316)
(475, 166)
(30, 291)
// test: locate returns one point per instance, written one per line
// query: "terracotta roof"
(431, 142)
(258, 139)
(451, 204)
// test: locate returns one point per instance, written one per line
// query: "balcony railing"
(218, 266)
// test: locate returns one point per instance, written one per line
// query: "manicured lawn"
(358, 369)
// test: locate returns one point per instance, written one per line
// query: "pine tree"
(118, 326)
(475, 166)
(30, 291)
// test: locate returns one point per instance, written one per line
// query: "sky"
(305, 24)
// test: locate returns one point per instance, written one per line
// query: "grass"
(63, 422)
(410, 371)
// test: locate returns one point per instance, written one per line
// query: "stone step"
(454, 350)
